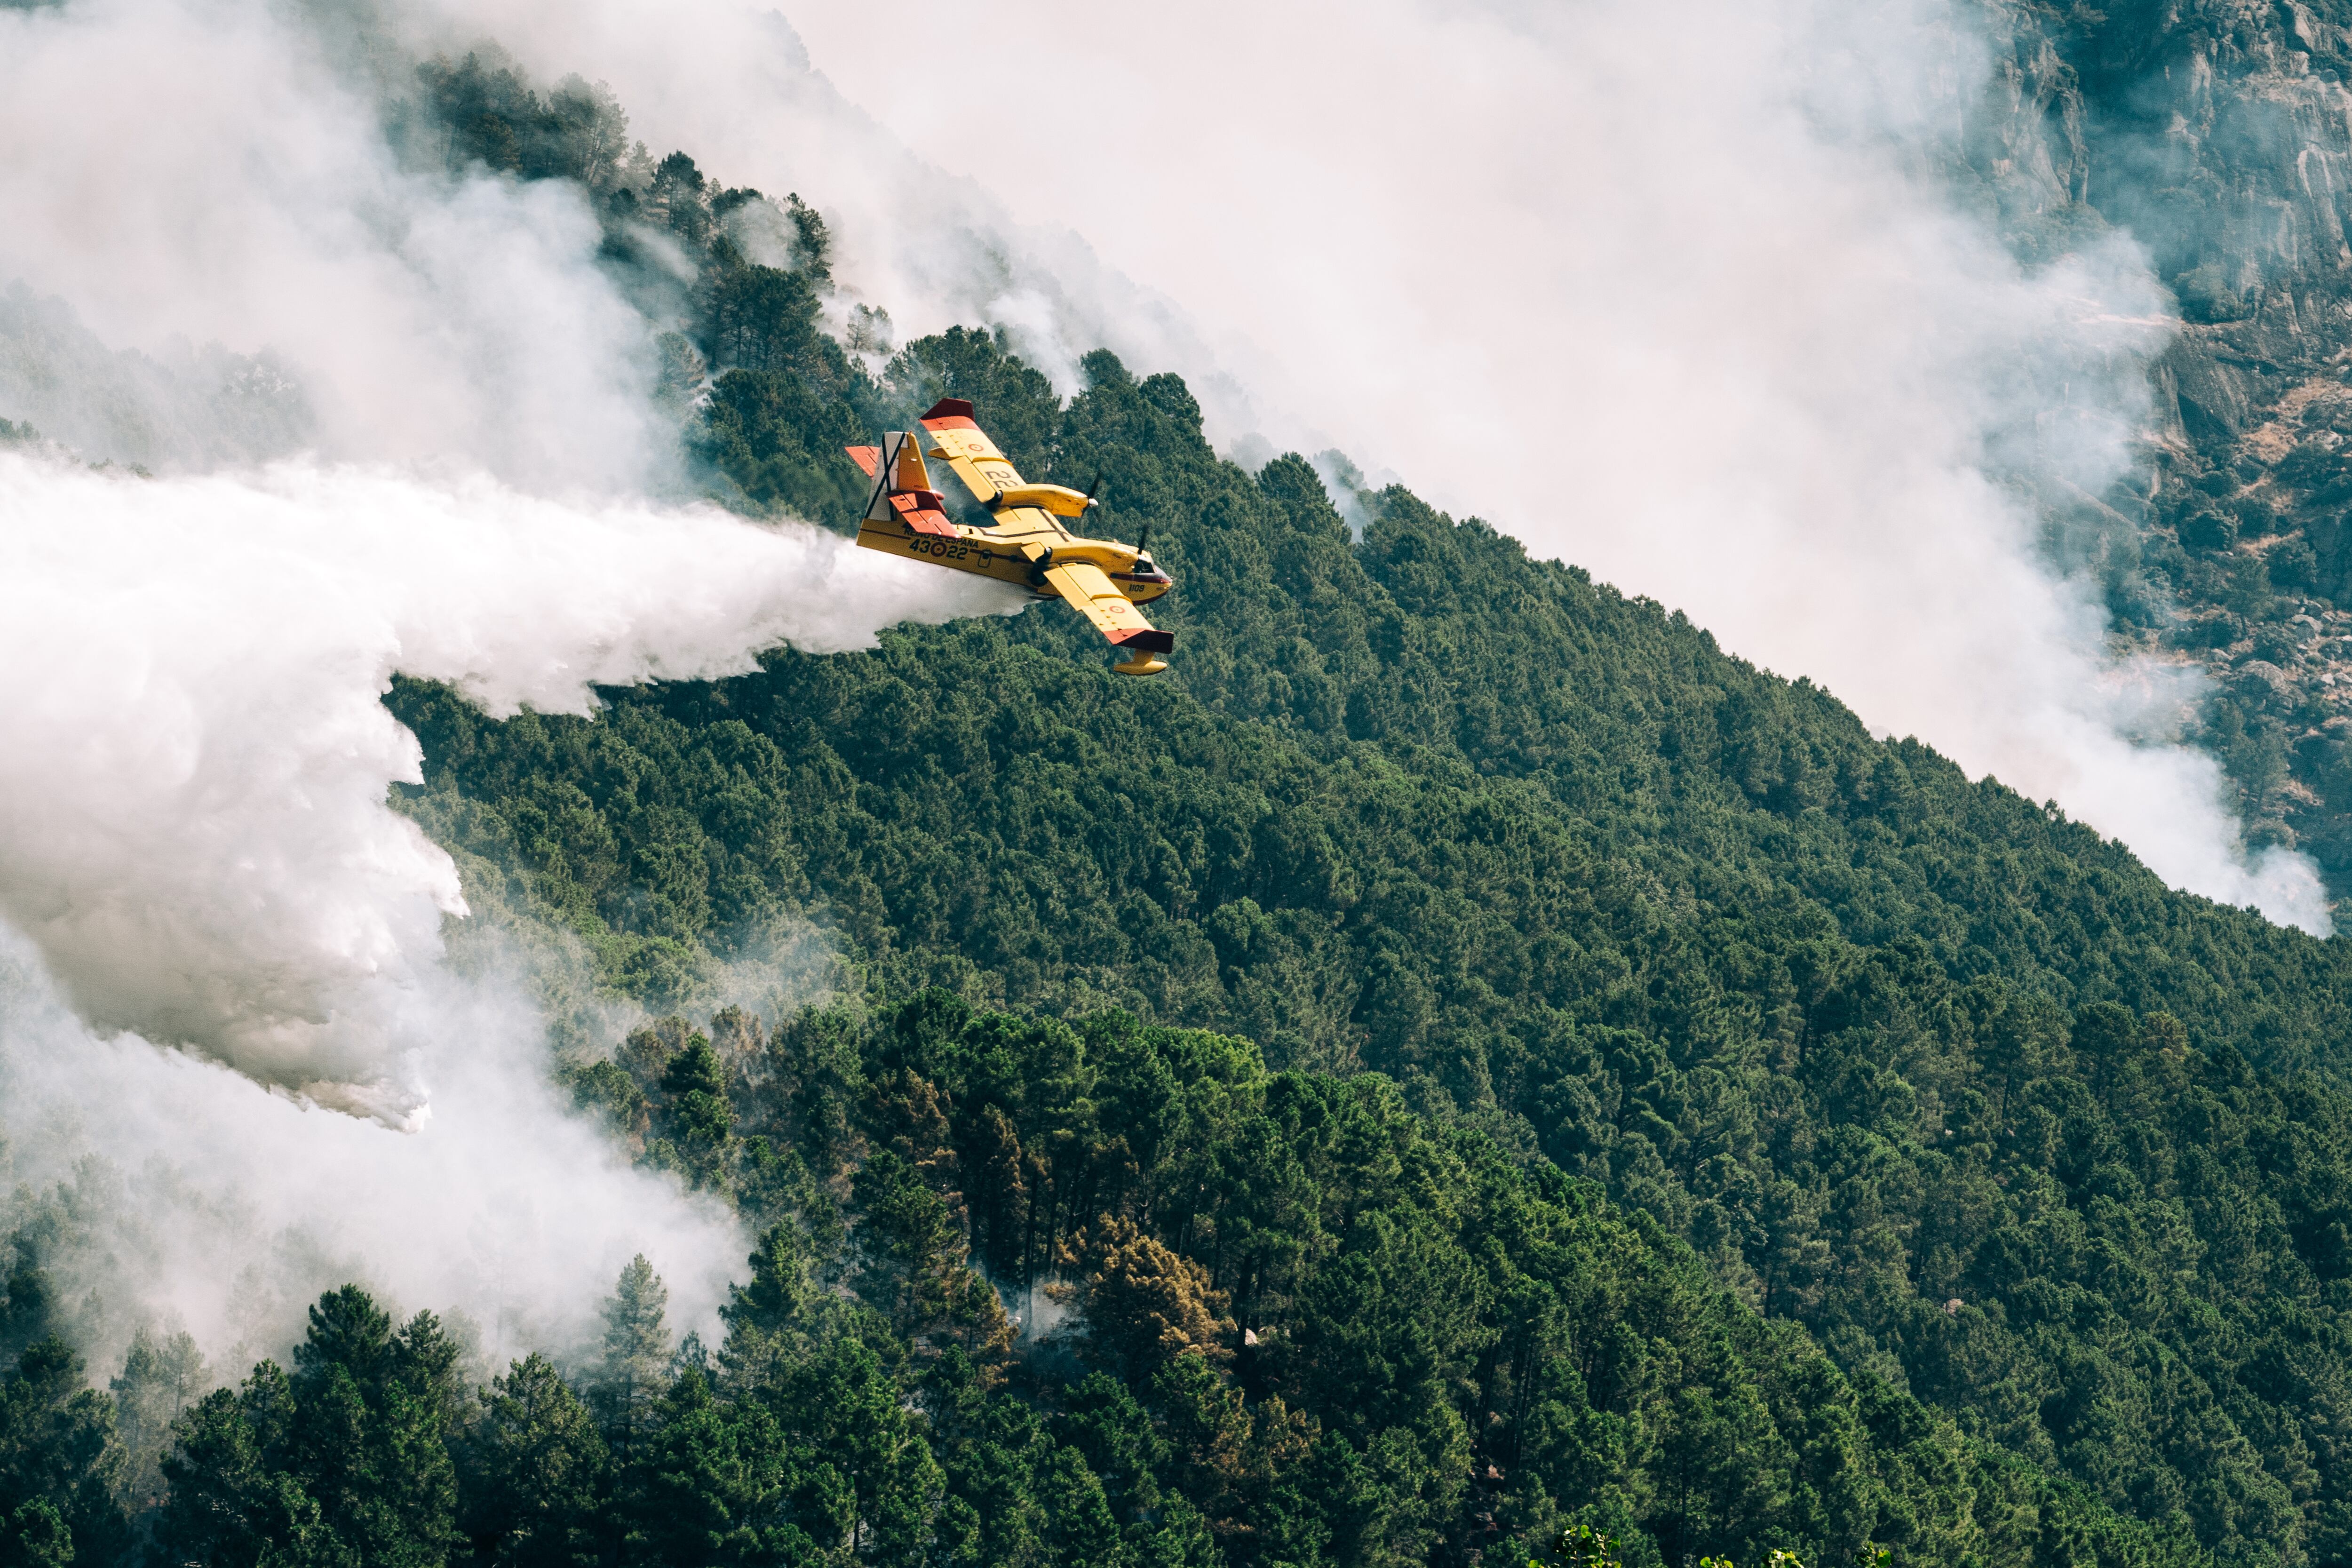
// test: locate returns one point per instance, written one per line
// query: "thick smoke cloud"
(199, 841)
(195, 172)
(731, 84)
(183, 1197)
(1693, 304)
(198, 851)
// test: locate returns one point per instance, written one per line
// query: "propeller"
(1143, 542)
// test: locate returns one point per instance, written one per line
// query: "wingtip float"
(1024, 540)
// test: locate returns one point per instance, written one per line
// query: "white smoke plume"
(197, 849)
(199, 853)
(196, 172)
(932, 242)
(1683, 302)
(187, 1198)
(198, 838)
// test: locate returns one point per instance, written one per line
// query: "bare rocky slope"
(2217, 133)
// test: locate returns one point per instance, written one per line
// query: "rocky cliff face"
(2219, 134)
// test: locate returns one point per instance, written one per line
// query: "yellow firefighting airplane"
(1024, 540)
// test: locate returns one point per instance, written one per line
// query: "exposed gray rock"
(2218, 135)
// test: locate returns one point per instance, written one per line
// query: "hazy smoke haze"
(1685, 304)
(199, 841)
(932, 242)
(197, 1200)
(196, 171)
(199, 851)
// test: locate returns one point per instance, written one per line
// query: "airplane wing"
(1084, 585)
(970, 456)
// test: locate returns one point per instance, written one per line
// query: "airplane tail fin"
(902, 486)
(897, 468)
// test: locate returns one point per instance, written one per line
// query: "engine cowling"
(1058, 499)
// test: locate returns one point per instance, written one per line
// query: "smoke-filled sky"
(1684, 303)
(1694, 286)
(218, 183)
(1692, 276)
(199, 850)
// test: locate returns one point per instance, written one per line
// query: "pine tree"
(538, 1473)
(915, 1270)
(1144, 1304)
(61, 1465)
(693, 1121)
(999, 1199)
(635, 1370)
(848, 1408)
(344, 1461)
(368, 1428)
(714, 1491)
(160, 1379)
(768, 1320)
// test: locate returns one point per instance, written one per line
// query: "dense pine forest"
(1459, 1056)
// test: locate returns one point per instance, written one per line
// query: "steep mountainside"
(2219, 134)
(1846, 1021)
(1457, 1055)
(1910, 1060)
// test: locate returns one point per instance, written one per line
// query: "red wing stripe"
(1148, 639)
(867, 457)
(953, 422)
(933, 523)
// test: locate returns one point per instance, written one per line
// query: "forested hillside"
(1317, 1328)
(1456, 1055)
(1903, 1058)
(1908, 1060)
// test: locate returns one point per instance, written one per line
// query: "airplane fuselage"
(997, 552)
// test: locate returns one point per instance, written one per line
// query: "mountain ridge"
(1576, 911)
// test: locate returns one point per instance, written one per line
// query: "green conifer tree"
(538, 1475)
(160, 1377)
(633, 1372)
